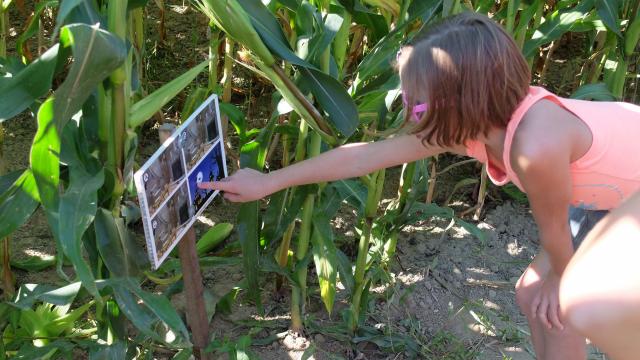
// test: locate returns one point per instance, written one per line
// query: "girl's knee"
(526, 288)
(577, 307)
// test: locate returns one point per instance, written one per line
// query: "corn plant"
(7, 280)
(81, 165)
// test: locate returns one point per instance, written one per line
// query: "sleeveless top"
(610, 170)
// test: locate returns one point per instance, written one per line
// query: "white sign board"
(170, 199)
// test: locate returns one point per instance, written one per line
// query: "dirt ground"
(451, 293)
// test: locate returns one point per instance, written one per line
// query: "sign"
(170, 199)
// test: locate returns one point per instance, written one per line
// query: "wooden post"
(192, 277)
(194, 294)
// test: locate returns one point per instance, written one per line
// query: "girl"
(466, 89)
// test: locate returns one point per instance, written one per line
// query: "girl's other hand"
(243, 186)
(546, 304)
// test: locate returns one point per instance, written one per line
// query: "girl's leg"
(600, 288)
(548, 344)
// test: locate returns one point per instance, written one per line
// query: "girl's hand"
(245, 185)
(546, 304)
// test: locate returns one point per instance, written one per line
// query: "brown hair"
(470, 73)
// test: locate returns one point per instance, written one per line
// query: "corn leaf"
(145, 108)
(608, 12)
(329, 30)
(21, 89)
(230, 16)
(30, 351)
(150, 313)
(78, 207)
(598, 91)
(44, 159)
(118, 251)
(325, 259)
(333, 98)
(555, 25)
(253, 155)
(34, 263)
(68, 8)
(353, 192)
(34, 24)
(29, 294)
(116, 350)
(345, 271)
(18, 200)
(97, 53)
(270, 31)
(282, 212)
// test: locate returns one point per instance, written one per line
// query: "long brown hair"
(470, 73)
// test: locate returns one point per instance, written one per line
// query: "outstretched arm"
(347, 161)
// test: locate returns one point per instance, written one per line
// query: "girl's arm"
(541, 160)
(545, 176)
(347, 161)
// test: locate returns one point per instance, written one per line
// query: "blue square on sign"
(211, 168)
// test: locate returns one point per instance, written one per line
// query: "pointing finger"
(214, 185)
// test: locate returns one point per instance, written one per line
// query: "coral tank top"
(610, 170)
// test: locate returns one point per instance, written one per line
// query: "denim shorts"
(581, 221)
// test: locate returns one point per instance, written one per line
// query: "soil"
(449, 292)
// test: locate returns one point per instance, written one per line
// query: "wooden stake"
(192, 277)
(194, 294)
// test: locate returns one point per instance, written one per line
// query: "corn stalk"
(8, 280)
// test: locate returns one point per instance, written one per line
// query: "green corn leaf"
(184, 354)
(334, 99)
(34, 24)
(83, 10)
(325, 259)
(30, 351)
(44, 157)
(34, 263)
(66, 322)
(145, 108)
(345, 271)
(330, 28)
(525, 16)
(291, 99)
(354, 192)
(147, 311)
(281, 213)
(253, 155)
(196, 97)
(598, 91)
(608, 12)
(77, 210)
(381, 57)
(118, 251)
(383, 54)
(270, 31)
(229, 16)
(116, 350)
(29, 294)
(22, 89)
(237, 120)
(555, 25)
(97, 53)
(17, 201)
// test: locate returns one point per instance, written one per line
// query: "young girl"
(466, 88)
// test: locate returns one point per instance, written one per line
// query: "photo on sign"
(163, 176)
(199, 135)
(211, 168)
(171, 220)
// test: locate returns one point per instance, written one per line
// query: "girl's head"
(469, 73)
